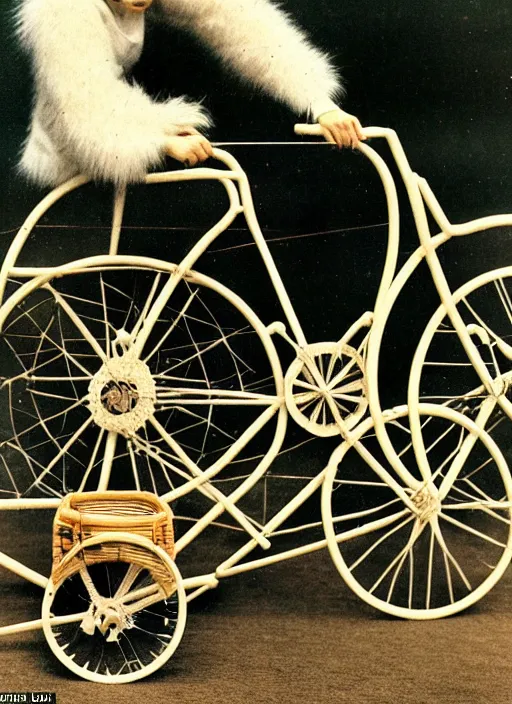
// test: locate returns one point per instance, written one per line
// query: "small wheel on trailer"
(115, 609)
(429, 547)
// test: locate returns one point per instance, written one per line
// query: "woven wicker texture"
(83, 516)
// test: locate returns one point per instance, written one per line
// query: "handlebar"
(310, 130)
(316, 131)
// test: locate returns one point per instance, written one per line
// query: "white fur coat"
(88, 119)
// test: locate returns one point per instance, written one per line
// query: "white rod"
(223, 571)
(108, 458)
(275, 277)
(117, 219)
(22, 571)
(217, 495)
(201, 173)
(172, 402)
(38, 623)
(203, 580)
(201, 590)
(271, 559)
(29, 504)
(462, 229)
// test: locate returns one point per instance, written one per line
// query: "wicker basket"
(85, 515)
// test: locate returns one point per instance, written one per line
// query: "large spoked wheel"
(326, 369)
(119, 619)
(442, 370)
(430, 550)
(123, 362)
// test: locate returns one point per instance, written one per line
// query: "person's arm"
(265, 47)
(113, 130)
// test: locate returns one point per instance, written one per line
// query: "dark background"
(440, 73)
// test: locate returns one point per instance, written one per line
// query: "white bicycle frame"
(236, 185)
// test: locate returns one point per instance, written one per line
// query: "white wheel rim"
(403, 612)
(255, 325)
(155, 664)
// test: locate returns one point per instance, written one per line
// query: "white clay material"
(436, 478)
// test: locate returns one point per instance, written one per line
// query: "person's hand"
(341, 128)
(189, 147)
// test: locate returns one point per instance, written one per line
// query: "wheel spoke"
(217, 377)
(366, 512)
(440, 539)
(201, 352)
(464, 536)
(316, 410)
(105, 318)
(429, 569)
(129, 578)
(343, 373)
(306, 385)
(347, 397)
(479, 506)
(415, 532)
(80, 325)
(471, 530)
(147, 306)
(43, 335)
(173, 326)
(372, 527)
(356, 385)
(61, 453)
(305, 399)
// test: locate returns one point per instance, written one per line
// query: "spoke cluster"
(212, 384)
(439, 553)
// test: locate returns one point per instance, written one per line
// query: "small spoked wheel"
(427, 547)
(125, 366)
(326, 384)
(117, 618)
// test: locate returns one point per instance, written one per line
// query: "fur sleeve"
(112, 130)
(264, 46)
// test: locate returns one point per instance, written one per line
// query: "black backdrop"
(439, 73)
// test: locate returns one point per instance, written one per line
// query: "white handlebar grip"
(312, 130)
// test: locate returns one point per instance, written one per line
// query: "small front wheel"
(117, 610)
(324, 376)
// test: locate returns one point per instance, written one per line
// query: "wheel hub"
(119, 397)
(109, 617)
(427, 505)
(122, 394)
